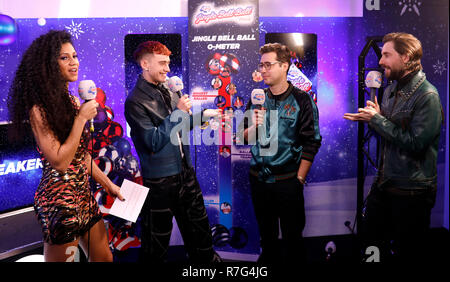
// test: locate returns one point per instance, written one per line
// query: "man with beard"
(398, 207)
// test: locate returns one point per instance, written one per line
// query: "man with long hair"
(398, 207)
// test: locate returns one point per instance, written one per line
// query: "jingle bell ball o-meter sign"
(223, 53)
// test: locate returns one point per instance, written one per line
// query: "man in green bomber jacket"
(279, 165)
(398, 207)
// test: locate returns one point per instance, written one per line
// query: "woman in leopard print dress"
(64, 205)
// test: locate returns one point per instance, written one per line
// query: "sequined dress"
(64, 205)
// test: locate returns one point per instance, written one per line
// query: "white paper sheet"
(134, 195)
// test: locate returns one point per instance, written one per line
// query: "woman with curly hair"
(63, 203)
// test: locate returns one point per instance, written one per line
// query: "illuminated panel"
(20, 172)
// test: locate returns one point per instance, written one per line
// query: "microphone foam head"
(373, 79)
(330, 247)
(87, 90)
(175, 84)
(258, 96)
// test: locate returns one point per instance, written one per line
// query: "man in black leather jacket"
(153, 112)
(398, 207)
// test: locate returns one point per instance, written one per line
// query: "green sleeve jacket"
(295, 135)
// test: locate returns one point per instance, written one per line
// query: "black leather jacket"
(152, 122)
(410, 125)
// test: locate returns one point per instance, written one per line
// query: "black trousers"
(179, 196)
(279, 205)
(397, 222)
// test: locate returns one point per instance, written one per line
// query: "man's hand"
(184, 103)
(258, 117)
(212, 113)
(374, 105)
(365, 114)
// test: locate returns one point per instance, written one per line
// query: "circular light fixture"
(41, 21)
(8, 30)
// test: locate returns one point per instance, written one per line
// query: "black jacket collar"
(410, 87)
(283, 95)
(150, 88)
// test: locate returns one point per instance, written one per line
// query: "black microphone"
(88, 91)
(258, 98)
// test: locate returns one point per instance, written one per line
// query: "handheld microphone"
(88, 91)
(176, 85)
(373, 81)
(258, 98)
